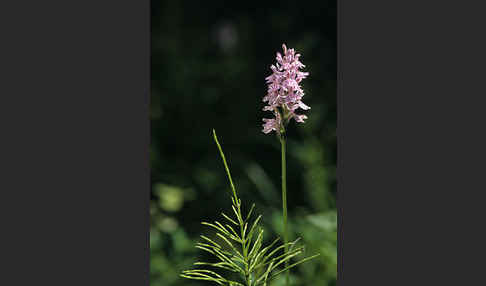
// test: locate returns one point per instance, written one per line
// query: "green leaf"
(249, 213)
(230, 244)
(209, 240)
(256, 245)
(233, 231)
(229, 219)
(255, 223)
(261, 254)
(264, 277)
(201, 275)
(293, 265)
(267, 257)
(205, 249)
(222, 265)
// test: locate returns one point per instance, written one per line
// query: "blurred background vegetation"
(209, 62)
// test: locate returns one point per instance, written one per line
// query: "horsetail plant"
(284, 96)
(241, 251)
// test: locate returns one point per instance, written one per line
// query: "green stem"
(225, 165)
(237, 204)
(244, 246)
(284, 200)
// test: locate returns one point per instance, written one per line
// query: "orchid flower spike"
(284, 94)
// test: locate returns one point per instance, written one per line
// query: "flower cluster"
(284, 95)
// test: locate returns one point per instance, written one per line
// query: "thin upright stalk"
(225, 165)
(284, 201)
(238, 205)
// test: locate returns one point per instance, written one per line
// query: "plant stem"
(225, 165)
(243, 245)
(284, 201)
(236, 201)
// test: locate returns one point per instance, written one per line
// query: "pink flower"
(284, 94)
(272, 124)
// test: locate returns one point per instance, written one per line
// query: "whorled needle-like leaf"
(287, 256)
(240, 219)
(253, 227)
(244, 231)
(222, 227)
(211, 248)
(216, 227)
(261, 254)
(210, 241)
(234, 283)
(199, 271)
(205, 249)
(256, 245)
(224, 258)
(233, 231)
(224, 231)
(288, 253)
(263, 278)
(229, 219)
(249, 213)
(268, 256)
(266, 274)
(230, 244)
(200, 274)
(294, 243)
(293, 265)
(222, 265)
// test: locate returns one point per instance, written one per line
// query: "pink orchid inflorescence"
(284, 95)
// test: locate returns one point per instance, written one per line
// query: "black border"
(410, 82)
(75, 143)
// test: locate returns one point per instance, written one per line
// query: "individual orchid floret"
(272, 124)
(284, 94)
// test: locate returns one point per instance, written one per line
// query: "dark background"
(209, 63)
